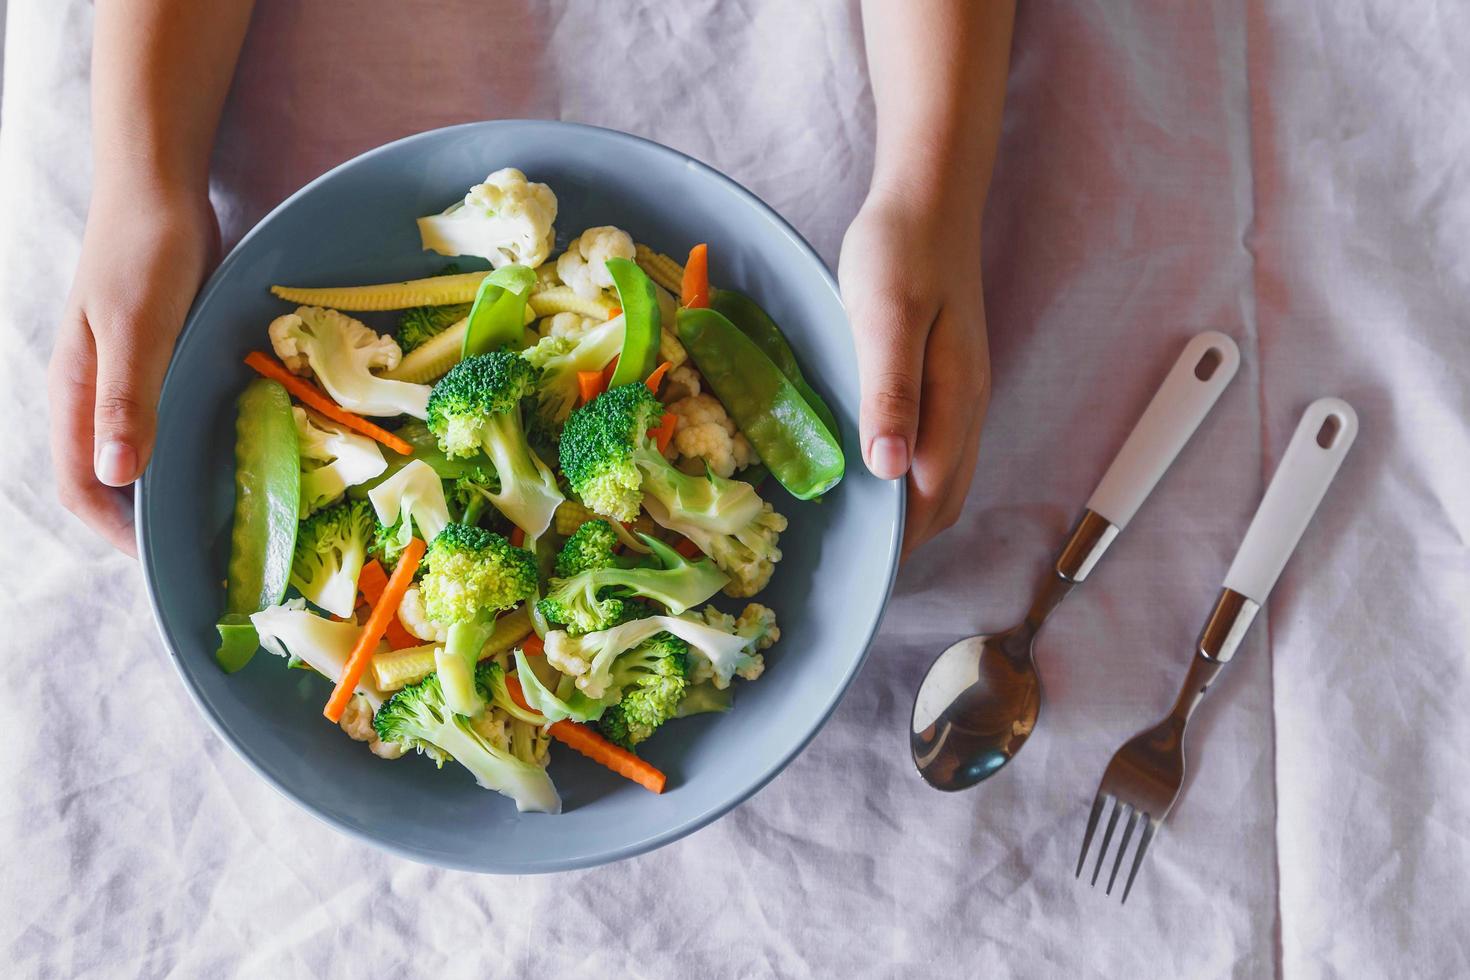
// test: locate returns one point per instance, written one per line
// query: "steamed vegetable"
(333, 458)
(331, 547)
(421, 717)
(641, 322)
(477, 407)
(309, 394)
(342, 353)
(471, 574)
(615, 467)
(267, 501)
(433, 291)
(788, 436)
(289, 630)
(372, 631)
(507, 219)
(498, 317)
(411, 499)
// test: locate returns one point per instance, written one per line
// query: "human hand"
(144, 255)
(910, 274)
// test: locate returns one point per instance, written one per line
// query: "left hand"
(910, 274)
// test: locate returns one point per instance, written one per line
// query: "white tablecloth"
(1292, 173)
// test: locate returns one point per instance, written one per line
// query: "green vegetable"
(423, 323)
(477, 407)
(560, 359)
(470, 575)
(650, 681)
(704, 698)
(615, 468)
(419, 717)
(787, 434)
(331, 546)
(267, 501)
(756, 324)
(596, 594)
(498, 316)
(643, 322)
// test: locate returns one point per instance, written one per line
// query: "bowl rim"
(148, 560)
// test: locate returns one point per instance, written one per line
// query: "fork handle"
(1186, 396)
(1313, 457)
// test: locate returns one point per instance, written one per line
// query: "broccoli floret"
(331, 546)
(650, 681)
(408, 502)
(476, 406)
(561, 358)
(593, 545)
(419, 717)
(470, 574)
(422, 323)
(615, 468)
(471, 493)
(598, 597)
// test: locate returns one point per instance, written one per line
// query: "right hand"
(144, 255)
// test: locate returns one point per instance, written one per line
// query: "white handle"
(1312, 458)
(1194, 383)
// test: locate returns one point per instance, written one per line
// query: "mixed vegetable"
(565, 472)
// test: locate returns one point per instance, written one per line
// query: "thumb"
(129, 375)
(890, 333)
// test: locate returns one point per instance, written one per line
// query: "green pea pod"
(644, 323)
(788, 435)
(756, 324)
(498, 316)
(267, 501)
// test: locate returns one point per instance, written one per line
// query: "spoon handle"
(1188, 393)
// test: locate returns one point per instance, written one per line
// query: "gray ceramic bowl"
(356, 225)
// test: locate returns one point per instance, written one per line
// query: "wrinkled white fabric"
(1291, 173)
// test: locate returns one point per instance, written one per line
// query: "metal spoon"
(979, 702)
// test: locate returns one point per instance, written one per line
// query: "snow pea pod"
(788, 435)
(267, 500)
(644, 322)
(757, 324)
(498, 316)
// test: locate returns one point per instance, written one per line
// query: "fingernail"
(888, 457)
(117, 464)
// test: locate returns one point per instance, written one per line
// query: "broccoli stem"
(456, 661)
(528, 493)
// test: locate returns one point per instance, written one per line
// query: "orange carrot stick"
(582, 739)
(694, 290)
(371, 582)
(608, 372)
(312, 396)
(533, 645)
(517, 537)
(617, 311)
(656, 378)
(688, 549)
(589, 385)
(664, 434)
(385, 609)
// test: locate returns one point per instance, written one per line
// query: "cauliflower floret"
(565, 654)
(680, 383)
(583, 266)
(756, 625)
(357, 719)
(343, 353)
(568, 325)
(507, 219)
(415, 618)
(706, 433)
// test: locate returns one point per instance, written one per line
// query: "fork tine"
(1107, 836)
(1148, 835)
(1097, 805)
(1122, 850)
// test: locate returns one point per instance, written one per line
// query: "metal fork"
(1144, 778)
